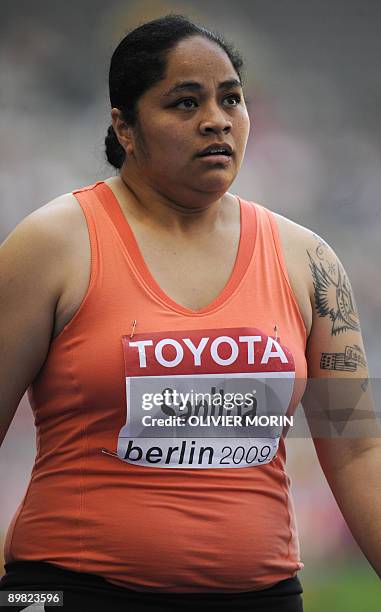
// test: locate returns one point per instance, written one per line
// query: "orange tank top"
(157, 466)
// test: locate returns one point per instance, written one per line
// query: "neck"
(151, 206)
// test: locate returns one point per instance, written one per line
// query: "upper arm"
(31, 280)
(335, 345)
(337, 395)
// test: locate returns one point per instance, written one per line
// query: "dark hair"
(139, 61)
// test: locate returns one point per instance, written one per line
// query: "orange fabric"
(143, 527)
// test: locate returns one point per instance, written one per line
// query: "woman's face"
(198, 103)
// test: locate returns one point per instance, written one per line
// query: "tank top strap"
(271, 239)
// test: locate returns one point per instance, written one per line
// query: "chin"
(217, 186)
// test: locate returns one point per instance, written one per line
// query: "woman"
(155, 282)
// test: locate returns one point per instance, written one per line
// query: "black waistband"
(30, 573)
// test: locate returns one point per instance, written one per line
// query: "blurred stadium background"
(314, 94)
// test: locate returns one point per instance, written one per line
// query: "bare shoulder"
(310, 261)
(301, 246)
(66, 222)
(46, 232)
(51, 246)
(61, 216)
(62, 226)
(293, 235)
(53, 226)
(298, 244)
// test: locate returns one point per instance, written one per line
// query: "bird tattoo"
(334, 298)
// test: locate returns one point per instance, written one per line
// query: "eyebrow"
(195, 86)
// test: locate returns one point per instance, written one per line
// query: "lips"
(216, 149)
(216, 161)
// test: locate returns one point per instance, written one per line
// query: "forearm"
(357, 490)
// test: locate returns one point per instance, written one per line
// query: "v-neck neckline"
(246, 245)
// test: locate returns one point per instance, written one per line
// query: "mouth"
(217, 148)
(215, 160)
(218, 153)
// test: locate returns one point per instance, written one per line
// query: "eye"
(187, 104)
(234, 99)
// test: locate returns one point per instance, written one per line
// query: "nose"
(215, 122)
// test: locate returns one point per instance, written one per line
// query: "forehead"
(199, 59)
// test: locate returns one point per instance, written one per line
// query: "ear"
(122, 130)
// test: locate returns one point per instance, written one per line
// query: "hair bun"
(114, 151)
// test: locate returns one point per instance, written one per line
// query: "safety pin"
(133, 328)
(276, 332)
(105, 451)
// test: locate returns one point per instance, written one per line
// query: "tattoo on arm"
(333, 293)
(348, 361)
